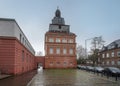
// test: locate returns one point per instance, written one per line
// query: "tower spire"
(58, 13)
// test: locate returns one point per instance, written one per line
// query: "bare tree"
(39, 53)
(97, 44)
(81, 55)
(80, 52)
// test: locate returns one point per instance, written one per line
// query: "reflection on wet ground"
(19, 80)
(69, 77)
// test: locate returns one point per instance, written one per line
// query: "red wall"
(7, 55)
(60, 62)
(40, 59)
(23, 64)
(11, 61)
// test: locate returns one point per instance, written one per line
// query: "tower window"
(71, 41)
(51, 40)
(51, 50)
(59, 26)
(64, 51)
(71, 51)
(64, 40)
(58, 51)
(57, 40)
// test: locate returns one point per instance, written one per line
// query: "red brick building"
(60, 44)
(110, 55)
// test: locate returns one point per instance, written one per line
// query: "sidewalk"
(4, 76)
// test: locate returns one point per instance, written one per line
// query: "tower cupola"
(58, 13)
(58, 19)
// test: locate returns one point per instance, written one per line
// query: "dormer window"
(111, 46)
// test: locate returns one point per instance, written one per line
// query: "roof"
(7, 19)
(113, 45)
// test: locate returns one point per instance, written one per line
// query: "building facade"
(60, 44)
(110, 55)
(16, 53)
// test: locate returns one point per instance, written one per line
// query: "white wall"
(7, 28)
(10, 28)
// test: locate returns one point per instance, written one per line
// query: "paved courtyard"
(70, 77)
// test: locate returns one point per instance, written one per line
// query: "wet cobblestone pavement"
(70, 77)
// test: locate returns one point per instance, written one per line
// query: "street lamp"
(86, 46)
(95, 38)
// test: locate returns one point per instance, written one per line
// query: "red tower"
(60, 44)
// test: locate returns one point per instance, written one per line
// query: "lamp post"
(86, 46)
(95, 38)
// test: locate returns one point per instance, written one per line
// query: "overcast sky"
(87, 18)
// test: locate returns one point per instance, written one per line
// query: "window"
(118, 62)
(103, 55)
(70, 40)
(112, 62)
(58, 51)
(51, 51)
(107, 62)
(51, 63)
(64, 40)
(71, 63)
(112, 54)
(107, 55)
(23, 55)
(65, 63)
(51, 40)
(59, 26)
(57, 40)
(23, 40)
(64, 51)
(71, 51)
(98, 59)
(20, 37)
(103, 63)
(58, 63)
(118, 53)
